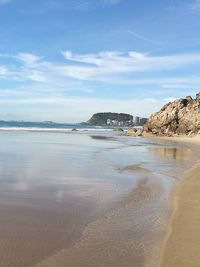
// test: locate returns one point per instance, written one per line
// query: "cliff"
(102, 118)
(179, 117)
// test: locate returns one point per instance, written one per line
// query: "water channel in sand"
(84, 199)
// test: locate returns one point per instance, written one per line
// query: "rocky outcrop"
(131, 132)
(179, 117)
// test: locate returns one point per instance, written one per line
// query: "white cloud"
(28, 58)
(103, 64)
(36, 76)
(108, 67)
(3, 71)
(46, 83)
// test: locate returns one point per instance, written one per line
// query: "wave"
(58, 130)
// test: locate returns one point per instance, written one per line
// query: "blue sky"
(64, 60)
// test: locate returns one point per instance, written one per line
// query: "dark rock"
(189, 98)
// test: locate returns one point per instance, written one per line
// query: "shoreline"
(182, 138)
(182, 242)
(135, 228)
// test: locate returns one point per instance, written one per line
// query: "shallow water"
(63, 195)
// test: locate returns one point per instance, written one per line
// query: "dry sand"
(182, 244)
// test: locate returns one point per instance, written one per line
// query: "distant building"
(115, 122)
(109, 121)
(133, 121)
(136, 120)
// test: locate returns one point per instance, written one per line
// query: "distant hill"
(102, 118)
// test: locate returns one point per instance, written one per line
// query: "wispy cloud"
(28, 58)
(107, 67)
(141, 37)
(81, 5)
(85, 5)
(195, 5)
(104, 64)
(64, 85)
(3, 71)
(3, 2)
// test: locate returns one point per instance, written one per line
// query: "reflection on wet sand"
(66, 195)
(102, 137)
(119, 238)
(177, 153)
(145, 192)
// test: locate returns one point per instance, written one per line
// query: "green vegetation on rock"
(102, 118)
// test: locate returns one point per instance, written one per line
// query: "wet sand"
(28, 233)
(119, 238)
(182, 244)
(76, 200)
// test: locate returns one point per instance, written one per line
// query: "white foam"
(58, 130)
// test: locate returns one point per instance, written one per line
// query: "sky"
(63, 60)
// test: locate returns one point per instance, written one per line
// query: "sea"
(50, 126)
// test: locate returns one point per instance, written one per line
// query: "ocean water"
(95, 194)
(48, 126)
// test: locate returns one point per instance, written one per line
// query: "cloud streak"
(86, 5)
(64, 85)
(28, 58)
(81, 5)
(141, 37)
(195, 6)
(108, 67)
(104, 64)
(3, 2)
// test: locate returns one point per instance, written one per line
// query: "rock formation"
(179, 117)
(131, 132)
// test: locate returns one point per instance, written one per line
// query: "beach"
(88, 199)
(182, 243)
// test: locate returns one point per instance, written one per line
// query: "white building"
(108, 121)
(136, 120)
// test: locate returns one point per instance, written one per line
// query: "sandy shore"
(184, 139)
(182, 244)
(76, 200)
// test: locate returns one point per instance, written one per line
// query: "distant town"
(134, 121)
(116, 119)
